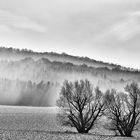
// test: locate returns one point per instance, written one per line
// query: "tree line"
(27, 93)
(82, 60)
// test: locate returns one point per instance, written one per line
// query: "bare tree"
(124, 109)
(80, 107)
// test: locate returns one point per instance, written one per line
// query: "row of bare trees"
(81, 107)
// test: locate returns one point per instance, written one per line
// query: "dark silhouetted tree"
(124, 109)
(80, 107)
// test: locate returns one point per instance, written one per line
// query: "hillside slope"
(35, 79)
(16, 54)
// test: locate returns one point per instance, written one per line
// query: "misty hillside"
(17, 54)
(35, 79)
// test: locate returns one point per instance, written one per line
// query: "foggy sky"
(107, 30)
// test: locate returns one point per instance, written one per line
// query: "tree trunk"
(82, 131)
(128, 134)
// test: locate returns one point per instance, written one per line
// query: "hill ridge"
(62, 57)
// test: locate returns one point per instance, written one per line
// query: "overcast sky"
(107, 30)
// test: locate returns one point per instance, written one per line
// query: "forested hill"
(17, 54)
(35, 79)
(46, 70)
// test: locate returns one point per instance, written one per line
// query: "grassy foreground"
(34, 123)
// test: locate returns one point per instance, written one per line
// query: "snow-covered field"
(34, 123)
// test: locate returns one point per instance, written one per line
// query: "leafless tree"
(80, 106)
(124, 109)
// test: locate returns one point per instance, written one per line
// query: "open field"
(27, 123)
